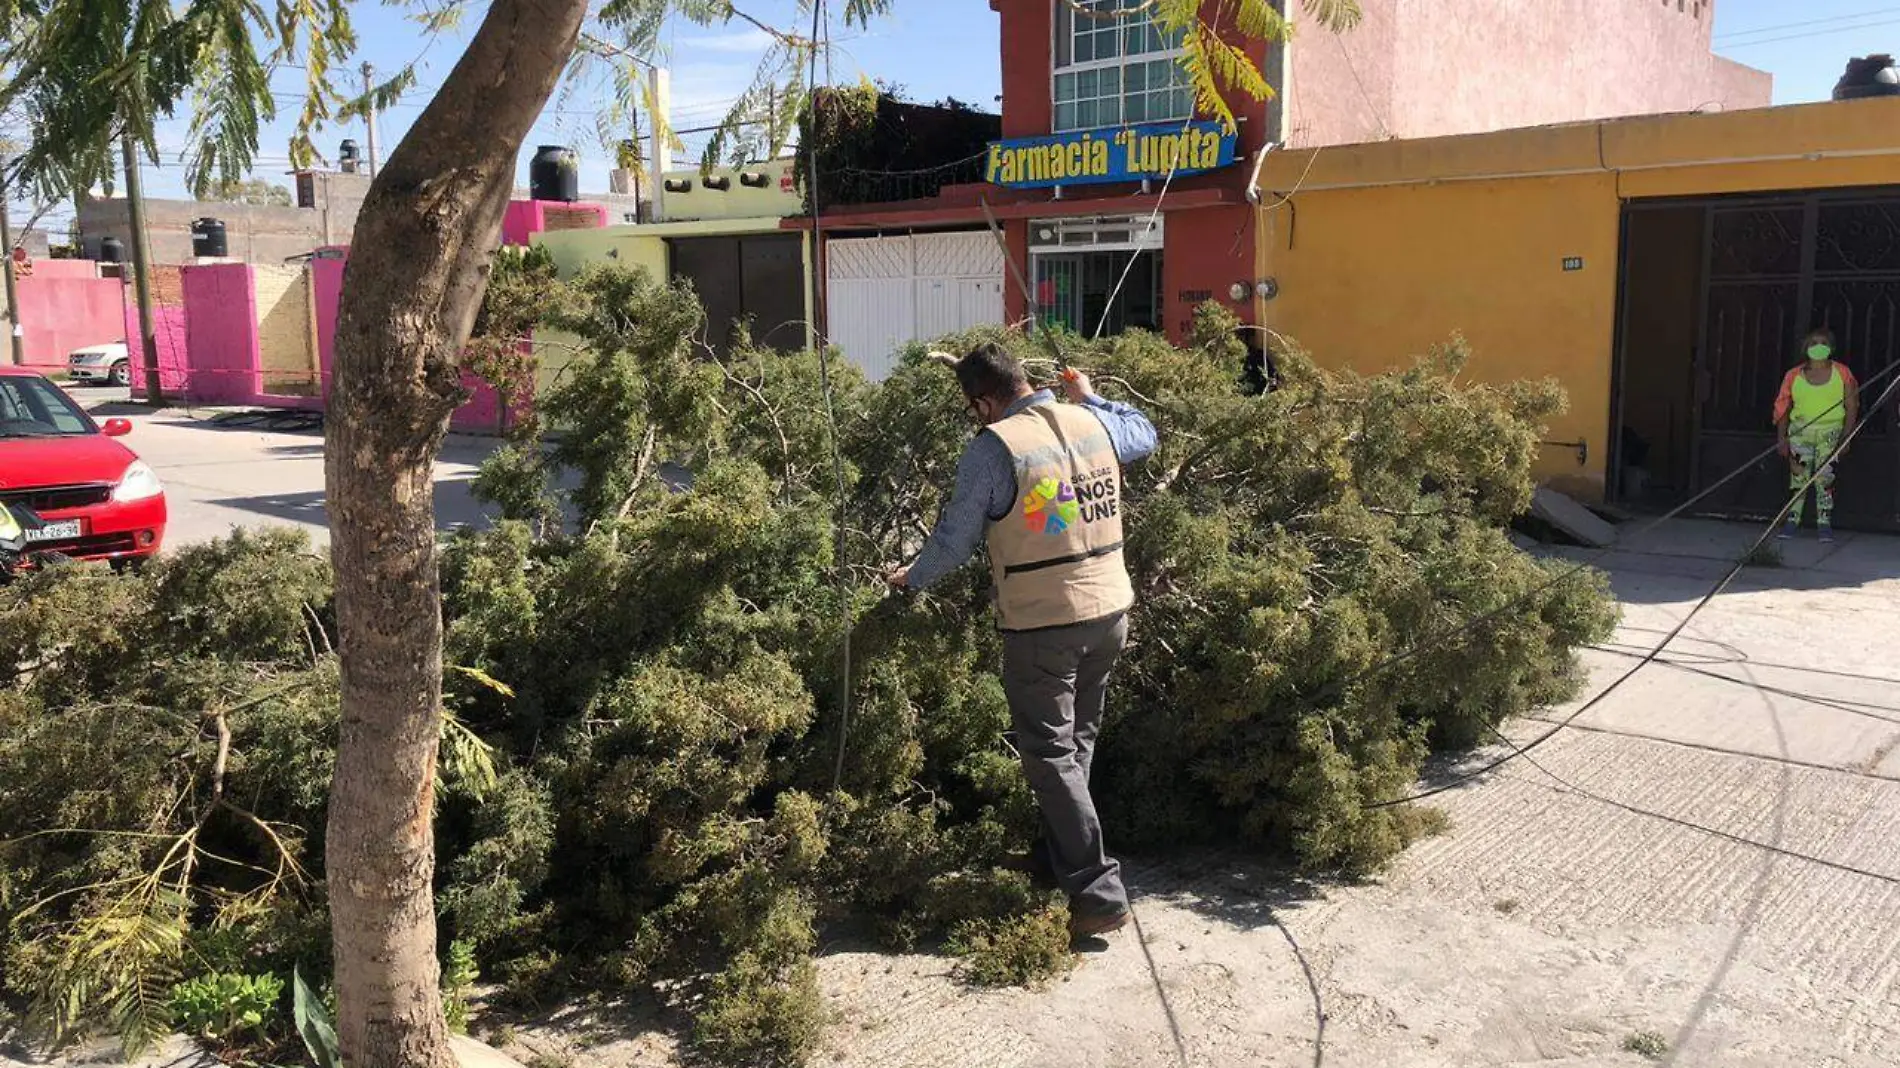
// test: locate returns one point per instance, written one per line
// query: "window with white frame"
(1111, 70)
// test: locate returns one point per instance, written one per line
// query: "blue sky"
(933, 48)
(937, 48)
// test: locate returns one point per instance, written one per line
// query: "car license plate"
(60, 531)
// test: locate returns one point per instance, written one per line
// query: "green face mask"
(1820, 352)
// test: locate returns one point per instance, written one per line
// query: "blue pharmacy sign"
(1117, 154)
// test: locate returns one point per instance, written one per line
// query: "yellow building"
(1662, 268)
(721, 233)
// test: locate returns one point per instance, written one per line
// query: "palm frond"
(738, 137)
(1259, 20)
(84, 74)
(1337, 16)
(117, 966)
(859, 13)
(1217, 65)
(380, 97)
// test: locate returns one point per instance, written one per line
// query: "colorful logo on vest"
(1051, 507)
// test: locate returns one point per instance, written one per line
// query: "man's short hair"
(989, 370)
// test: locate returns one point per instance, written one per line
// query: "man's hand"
(1076, 386)
(899, 579)
(1781, 446)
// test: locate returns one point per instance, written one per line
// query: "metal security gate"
(755, 279)
(881, 293)
(1773, 270)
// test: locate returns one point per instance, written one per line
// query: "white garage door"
(884, 292)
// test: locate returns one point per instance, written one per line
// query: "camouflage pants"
(1813, 451)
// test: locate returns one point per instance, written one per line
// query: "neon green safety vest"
(1818, 408)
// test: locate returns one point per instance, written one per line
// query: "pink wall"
(483, 410)
(48, 268)
(520, 222)
(65, 305)
(174, 375)
(1410, 69)
(326, 290)
(526, 218)
(221, 333)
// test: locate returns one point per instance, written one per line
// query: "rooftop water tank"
(208, 239)
(1868, 76)
(554, 174)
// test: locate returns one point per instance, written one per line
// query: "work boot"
(1096, 924)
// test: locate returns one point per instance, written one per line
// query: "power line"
(1566, 786)
(1340, 40)
(1108, 306)
(1174, 167)
(1814, 33)
(1805, 23)
(1652, 655)
(820, 25)
(1437, 641)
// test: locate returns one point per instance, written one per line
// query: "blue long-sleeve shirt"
(986, 485)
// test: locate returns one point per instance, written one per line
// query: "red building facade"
(1065, 72)
(1106, 245)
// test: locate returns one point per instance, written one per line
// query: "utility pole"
(369, 116)
(142, 272)
(660, 160)
(18, 330)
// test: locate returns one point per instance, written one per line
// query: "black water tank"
(208, 238)
(1868, 76)
(348, 157)
(111, 250)
(554, 174)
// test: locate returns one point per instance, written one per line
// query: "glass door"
(1099, 293)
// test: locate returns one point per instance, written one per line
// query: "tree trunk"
(417, 270)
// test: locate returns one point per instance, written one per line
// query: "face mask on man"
(1820, 351)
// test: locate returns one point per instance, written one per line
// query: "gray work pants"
(1057, 682)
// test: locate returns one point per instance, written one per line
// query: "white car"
(101, 363)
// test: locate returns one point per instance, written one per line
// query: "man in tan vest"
(1042, 484)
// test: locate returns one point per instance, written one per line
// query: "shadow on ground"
(455, 506)
(1684, 559)
(630, 1031)
(1242, 892)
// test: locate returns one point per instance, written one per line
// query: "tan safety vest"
(1057, 556)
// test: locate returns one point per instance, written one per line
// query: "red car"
(98, 500)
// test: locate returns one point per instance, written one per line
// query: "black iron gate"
(1772, 270)
(756, 279)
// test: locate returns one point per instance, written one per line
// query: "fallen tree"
(642, 709)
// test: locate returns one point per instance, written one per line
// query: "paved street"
(1705, 862)
(218, 477)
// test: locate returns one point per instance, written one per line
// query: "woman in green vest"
(1818, 404)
